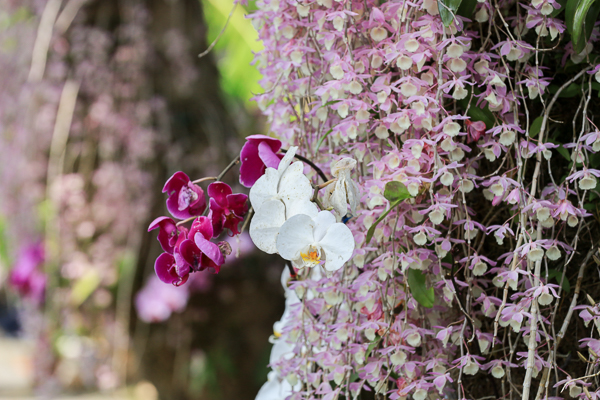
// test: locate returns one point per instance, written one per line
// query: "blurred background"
(100, 102)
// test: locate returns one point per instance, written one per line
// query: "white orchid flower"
(274, 389)
(276, 196)
(308, 242)
(345, 190)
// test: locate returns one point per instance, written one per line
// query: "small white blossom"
(498, 371)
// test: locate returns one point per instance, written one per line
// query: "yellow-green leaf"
(448, 9)
(84, 287)
(418, 288)
(395, 191)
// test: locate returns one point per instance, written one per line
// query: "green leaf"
(581, 18)
(466, 9)
(570, 14)
(448, 9)
(322, 138)
(557, 275)
(395, 191)
(574, 89)
(564, 152)
(416, 282)
(235, 49)
(371, 230)
(476, 113)
(535, 127)
(372, 345)
(84, 287)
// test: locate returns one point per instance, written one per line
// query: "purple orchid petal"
(231, 222)
(202, 225)
(253, 167)
(219, 191)
(175, 182)
(191, 254)
(210, 249)
(185, 198)
(267, 155)
(238, 203)
(166, 269)
(217, 217)
(167, 236)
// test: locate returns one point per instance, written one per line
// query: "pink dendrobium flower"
(169, 233)
(185, 198)
(26, 275)
(474, 130)
(227, 210)
(257, 154)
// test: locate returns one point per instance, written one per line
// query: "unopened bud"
(225, 248)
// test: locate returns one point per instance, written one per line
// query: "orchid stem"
(248, 219)
(306, 160)
(186, 220)
(329, 182)
(227, 168)
(208, 178)
(218, 178)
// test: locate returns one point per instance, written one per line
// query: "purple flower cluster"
(188, 250)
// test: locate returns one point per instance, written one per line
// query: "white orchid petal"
(294, 186)
(306, 207)
(338, 245)
(322, 222)
(286, 160)
(264, 189)
(294, 236)
(265, 225)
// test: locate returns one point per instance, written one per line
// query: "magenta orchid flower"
(192, 252)
(26, 275)
(227, 210)
(258, 153)
(185, 198)
(197, 252)
(169, 232)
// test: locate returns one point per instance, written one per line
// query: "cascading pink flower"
(258, 153)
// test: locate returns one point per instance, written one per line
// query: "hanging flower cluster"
(469, 205)
(191, 250)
